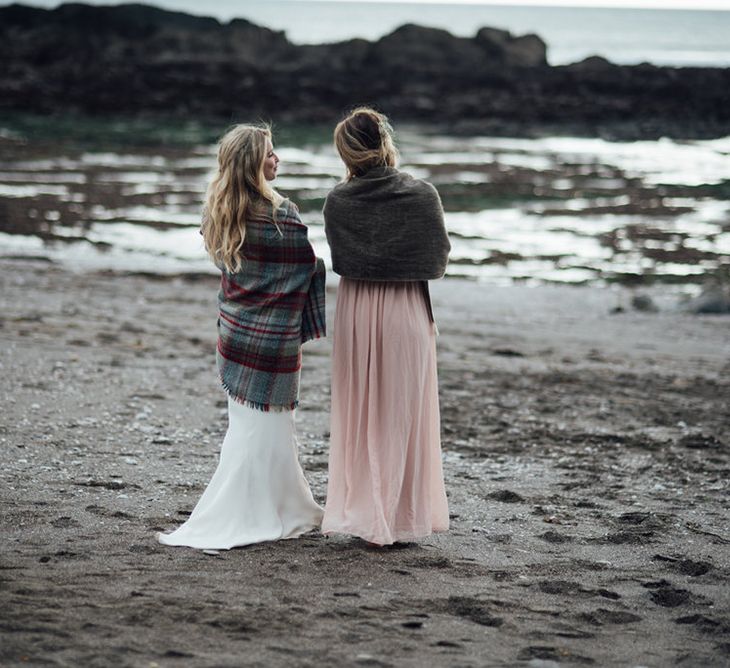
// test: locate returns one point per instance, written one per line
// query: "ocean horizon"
(672, 37)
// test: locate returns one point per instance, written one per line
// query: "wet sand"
(585, 454)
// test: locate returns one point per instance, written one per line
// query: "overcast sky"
(655, 4)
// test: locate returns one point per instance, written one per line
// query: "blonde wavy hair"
(364, 139)
(238, 187)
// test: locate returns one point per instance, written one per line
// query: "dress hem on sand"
(163, 538)
(400, 537)
(258, 492)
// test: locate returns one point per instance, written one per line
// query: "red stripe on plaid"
(260, 330)
(267, 222)
(259, 362)
(243, 296)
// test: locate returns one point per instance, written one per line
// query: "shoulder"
(290, 229)
(286, 207)
(287, 212)
(417, 185)
(418, 192)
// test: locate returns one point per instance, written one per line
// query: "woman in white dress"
(270, 302)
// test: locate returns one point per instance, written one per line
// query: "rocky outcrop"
(139, 60)
(505, 49)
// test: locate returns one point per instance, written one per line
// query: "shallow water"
(556, 209)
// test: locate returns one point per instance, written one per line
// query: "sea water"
(560, 209)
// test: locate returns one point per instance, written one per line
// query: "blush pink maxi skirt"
(385, 475)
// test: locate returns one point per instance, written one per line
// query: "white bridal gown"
(258, 492)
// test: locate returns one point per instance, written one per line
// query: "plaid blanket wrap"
(268, 309)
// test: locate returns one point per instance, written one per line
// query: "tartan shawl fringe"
(266, 408)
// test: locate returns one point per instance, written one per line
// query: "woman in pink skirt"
(386, 233)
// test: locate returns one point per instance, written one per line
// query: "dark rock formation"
(140, 60)
(526, 51)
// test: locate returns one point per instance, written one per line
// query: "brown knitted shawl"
(386, 226)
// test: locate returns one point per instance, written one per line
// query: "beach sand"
(585, 455)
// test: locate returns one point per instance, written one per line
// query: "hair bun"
(364, 139)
